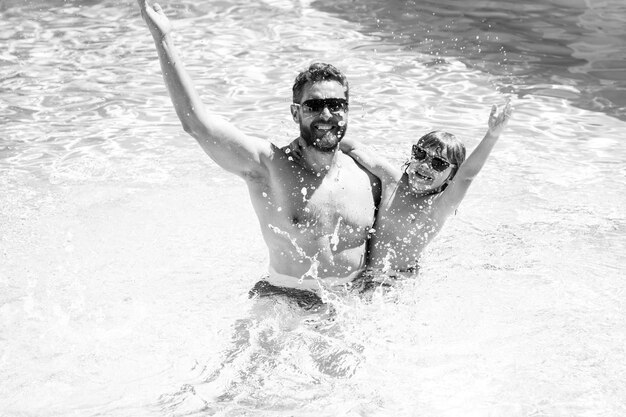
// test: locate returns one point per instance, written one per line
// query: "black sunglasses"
(439, 164)
(334, 105)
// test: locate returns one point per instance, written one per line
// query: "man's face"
(323, 123)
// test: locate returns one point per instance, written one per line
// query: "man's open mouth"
(323, 127)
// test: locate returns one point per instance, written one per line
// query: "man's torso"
(315, 226)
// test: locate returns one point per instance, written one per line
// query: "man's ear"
(294, 113)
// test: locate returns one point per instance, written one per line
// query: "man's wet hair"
(318, 71)
(447, 145)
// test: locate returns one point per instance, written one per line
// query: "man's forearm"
(185, 98)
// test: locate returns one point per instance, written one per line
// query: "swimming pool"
(126, 254)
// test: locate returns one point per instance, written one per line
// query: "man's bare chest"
(303, 203)
(329, 207)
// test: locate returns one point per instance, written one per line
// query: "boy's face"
(428, 169)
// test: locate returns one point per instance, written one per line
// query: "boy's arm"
(375, 164)
(226, 145)
(456, 190)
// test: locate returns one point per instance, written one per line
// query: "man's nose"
(325, 114)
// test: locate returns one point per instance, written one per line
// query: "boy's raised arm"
(375, 164)
(468, 170)
(224, 143)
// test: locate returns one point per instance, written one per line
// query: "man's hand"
(498, 121)
(156, 20)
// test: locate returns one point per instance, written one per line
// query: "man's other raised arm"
(224, 143)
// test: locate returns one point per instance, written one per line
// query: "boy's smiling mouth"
(420, 175)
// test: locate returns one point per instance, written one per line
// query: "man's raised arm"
(225, 144)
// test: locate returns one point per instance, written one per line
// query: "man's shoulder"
(354, 168)
(359, 176)
(285, 153)
(348, 161)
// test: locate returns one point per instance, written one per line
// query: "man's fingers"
(157, 8)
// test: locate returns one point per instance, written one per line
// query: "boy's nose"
(425, 164)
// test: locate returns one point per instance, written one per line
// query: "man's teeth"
(324, 127)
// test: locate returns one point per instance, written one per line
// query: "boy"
(417, 200)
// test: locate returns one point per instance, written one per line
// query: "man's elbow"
(187, 127)
(194, 129)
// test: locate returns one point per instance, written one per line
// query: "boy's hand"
(156, 20)
(498, 121)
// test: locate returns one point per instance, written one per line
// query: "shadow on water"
(567, 49)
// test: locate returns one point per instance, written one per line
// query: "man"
(315, 207)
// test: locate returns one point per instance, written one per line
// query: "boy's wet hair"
(318, 71)
(447, 145)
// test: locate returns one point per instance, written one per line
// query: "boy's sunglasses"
(439, 164)
(334, 105)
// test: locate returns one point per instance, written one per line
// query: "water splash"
(334, 239)
(312, 271)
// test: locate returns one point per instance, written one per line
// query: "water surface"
(126, 254)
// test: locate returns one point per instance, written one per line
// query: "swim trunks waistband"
(307, 283)
(303, 298)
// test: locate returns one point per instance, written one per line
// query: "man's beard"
(327, 142)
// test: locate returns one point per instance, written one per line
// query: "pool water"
(126, 254)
